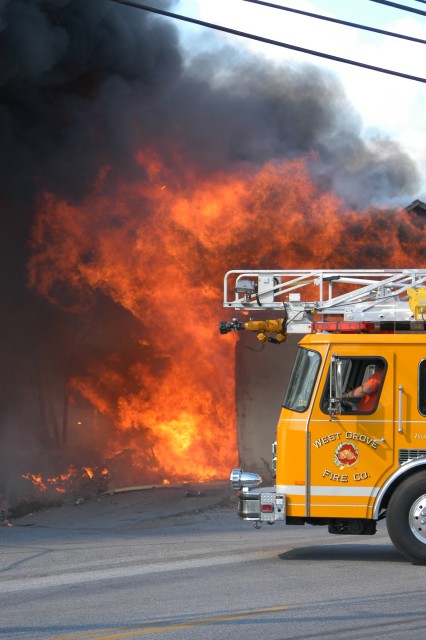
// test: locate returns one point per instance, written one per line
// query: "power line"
(337, 21)
(404, 7)
(276, 43)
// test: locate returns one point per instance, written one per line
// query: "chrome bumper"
(255, 504)
(263, 505)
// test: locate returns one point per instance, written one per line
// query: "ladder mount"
(381, 296)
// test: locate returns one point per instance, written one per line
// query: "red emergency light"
(343, 326)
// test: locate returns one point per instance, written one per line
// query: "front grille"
(411, 454)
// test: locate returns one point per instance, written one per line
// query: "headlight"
(240, 479)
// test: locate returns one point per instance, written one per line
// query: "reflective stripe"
(355, 418)
(298, 490)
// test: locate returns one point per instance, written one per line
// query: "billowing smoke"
(84, 87)
(83, 83)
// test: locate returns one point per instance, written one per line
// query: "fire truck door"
(349, 453)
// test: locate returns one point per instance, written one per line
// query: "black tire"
(406, 518)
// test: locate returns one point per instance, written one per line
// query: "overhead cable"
(257, 38)
(404, 7)
(355, 25)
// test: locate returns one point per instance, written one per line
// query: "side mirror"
(336, 386)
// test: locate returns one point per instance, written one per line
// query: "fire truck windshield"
(302, 380)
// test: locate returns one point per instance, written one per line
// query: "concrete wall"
(262, 375)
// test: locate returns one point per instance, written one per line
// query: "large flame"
(160, 249)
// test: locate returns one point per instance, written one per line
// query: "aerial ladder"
(369, 300)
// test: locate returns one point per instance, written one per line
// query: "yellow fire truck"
(351, 437)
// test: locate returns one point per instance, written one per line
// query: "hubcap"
(417, 518)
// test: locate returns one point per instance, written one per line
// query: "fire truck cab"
(350, 443)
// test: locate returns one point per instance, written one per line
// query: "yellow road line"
(120, 633)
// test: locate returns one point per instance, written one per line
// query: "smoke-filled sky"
(81, 80)
(133, 175)
(386, 104)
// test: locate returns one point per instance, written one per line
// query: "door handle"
(400, 392)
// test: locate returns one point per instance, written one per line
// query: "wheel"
(406, 518)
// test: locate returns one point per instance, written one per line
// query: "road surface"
(175, 566)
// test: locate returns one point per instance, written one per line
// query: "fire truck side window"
(362, 385)
(302, 380)
(422, 387)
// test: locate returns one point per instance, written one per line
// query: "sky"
(387, 104)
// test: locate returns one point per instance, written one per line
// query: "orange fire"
(160, 249)
(36, 480)
(67, 482)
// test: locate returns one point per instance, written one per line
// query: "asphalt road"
(168, 565)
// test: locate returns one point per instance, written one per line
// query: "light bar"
(343, 326)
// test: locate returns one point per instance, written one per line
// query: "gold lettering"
(334, 477)
(363, 475)
(331, 437)
(362, 438)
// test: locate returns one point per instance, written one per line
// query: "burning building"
(131, 180)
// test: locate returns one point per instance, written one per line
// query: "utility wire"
(404, 7)
(276, 43)
(336, 21)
